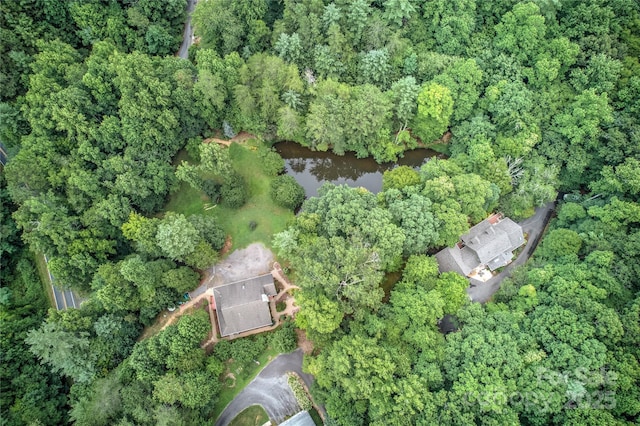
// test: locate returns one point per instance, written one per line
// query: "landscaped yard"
(259, 208)
(252, 416)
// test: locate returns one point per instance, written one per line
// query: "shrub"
(234, 191)
(212, 189)
(270, 161)
(242, 351)
(284, 339)
(299, 392)
(286, 192)
(193, 148)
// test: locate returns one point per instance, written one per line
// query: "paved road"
(64, 298)
(270, 389)
(187, 38)
(534, 227)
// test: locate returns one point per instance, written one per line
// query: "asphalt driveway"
(270, 390)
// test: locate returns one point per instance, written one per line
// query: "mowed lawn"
(252, 416)
(259, 208)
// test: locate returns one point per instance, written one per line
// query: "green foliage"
(539, 96)
(29, 390)
(399, 178)
(270, 161)
(234, 191)
(209, 229)
(287, 192)
(202, 257)
(284, 339)
(435, 107)
(560, 243)
(298, 391)
(212, 189)
(64, 351)
(181, 279)
(176, 236)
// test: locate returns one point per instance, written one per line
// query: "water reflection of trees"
(331, 169)
(297, 165)
(326, 166)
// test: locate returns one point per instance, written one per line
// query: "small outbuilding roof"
(244, 305)
(303, 418)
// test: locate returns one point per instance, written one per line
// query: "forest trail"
(239, 138)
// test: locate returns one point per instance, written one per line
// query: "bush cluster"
(234, 191)
(299, 392)
(286, 192)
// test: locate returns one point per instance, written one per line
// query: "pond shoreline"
(312, 169)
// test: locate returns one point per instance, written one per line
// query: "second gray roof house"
(244, 305)
(489, 243)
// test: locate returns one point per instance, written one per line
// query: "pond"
(313, 168)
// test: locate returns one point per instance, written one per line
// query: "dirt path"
(239, 138)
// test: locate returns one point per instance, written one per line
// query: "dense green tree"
(176, 236)
(462, 78)
(415, 217)
(64, 351)
(399, 178)
(404, 93)
(435, 107)
(286, 192)
(202, 257)
(374, 67)
(263, 81)
(209, 229)
(398, 11)
(234, 191)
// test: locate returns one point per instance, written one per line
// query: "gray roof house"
(244, 305)
(488, 244)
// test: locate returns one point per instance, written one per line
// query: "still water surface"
(313, 168)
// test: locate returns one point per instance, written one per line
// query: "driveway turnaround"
(270, 390)
(534, 227)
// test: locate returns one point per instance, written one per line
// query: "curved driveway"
(270, 390)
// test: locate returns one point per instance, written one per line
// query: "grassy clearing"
(270, 218)
(243, 374)
(186, 200)
(44, 278)
(252, 416)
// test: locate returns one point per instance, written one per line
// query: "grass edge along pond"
(259, 208)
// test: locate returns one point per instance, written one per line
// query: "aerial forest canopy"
(526, 98)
